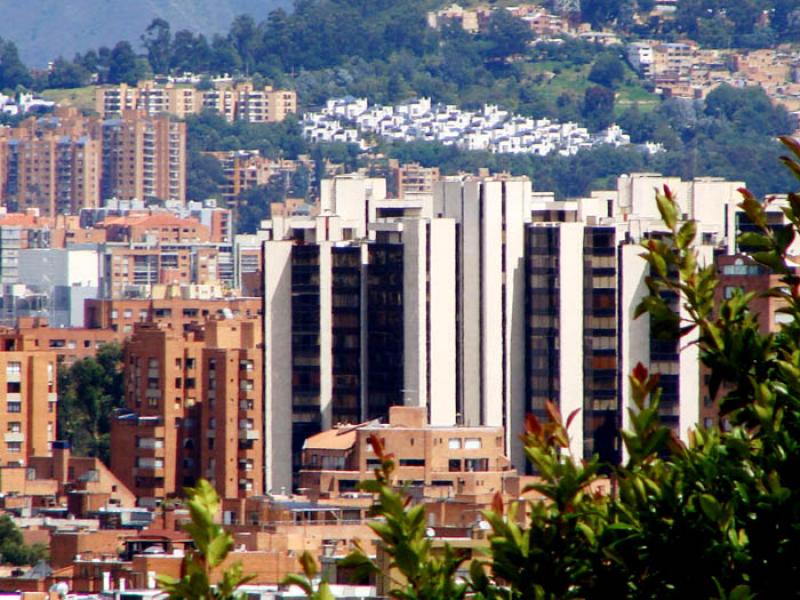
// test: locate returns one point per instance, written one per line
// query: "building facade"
(28, 401)
(193, 409)
(481, 303)
(143, 157)
(236, 102)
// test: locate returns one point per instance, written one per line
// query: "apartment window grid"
(600, 378)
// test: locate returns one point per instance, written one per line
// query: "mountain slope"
(45, 29)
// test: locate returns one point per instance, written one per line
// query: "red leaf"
(572, 416)
(667, 191)
(745, 192)
(552, 411)
(375, 442)
(640, 373)
(532, 425)
(497, 503)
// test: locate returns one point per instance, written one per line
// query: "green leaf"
(711, 507)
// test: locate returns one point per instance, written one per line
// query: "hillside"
(44, 29)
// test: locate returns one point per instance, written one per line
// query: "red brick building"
(194, 409)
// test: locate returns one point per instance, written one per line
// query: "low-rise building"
(176, 306)
(466, 465)
(68, 343)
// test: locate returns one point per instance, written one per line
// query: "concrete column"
(277, 365)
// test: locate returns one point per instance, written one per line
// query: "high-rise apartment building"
(241, 101)
(193, 409)
(350, 318)
(144, 157)
(50, 169)
(480, 303)
(63, 163)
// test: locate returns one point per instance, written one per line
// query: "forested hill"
(45, 29)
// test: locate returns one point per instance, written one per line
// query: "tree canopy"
(88, 392)
(13, 549)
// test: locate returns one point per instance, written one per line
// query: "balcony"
(149, 471)
(248, 434)
(14, 436)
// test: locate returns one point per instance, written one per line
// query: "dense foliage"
(88, 391)
(714, 518)
(13, 72)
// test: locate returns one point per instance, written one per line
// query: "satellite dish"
(430, 532)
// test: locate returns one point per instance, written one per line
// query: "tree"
(598, 107)
(122, 67)
(253, 205)
(607, 70)
(601, 12)
(212, 544)
(204, 176)
(244, 35)
(190, 53)
(157, 41)
(13, 72)
(88, 392)
(13, 549)
(506, 35)
(66, 74)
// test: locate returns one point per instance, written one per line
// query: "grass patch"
(82, 98)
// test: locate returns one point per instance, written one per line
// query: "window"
(13, 387)
(15, 426)
(15, 407)
(476, 464)
(13, 368)
(472, 444)
(14, 447)
(454, 465)
(412, 462)
(454, 443)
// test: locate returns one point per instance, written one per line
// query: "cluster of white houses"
(479, 302)
(491, 128)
